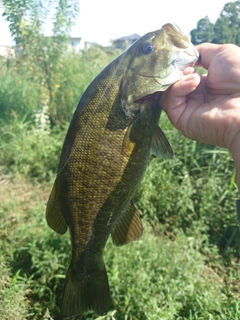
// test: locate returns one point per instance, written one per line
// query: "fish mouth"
(186, 58)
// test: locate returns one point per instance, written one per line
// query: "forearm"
(236, 158)
(237, 167)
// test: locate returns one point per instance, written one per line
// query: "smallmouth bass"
(112, 134)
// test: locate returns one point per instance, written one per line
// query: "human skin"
(207, 108)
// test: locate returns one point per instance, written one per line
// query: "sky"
(102, 20)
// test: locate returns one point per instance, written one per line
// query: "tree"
(37, 56)
(204, 31)
(222, 31)
(225, 30)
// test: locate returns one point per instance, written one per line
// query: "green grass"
(12, 294)
(154, 278)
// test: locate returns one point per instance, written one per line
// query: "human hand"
(207, 108)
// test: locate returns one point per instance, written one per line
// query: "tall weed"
(198, 185)
(12, 294)
(18, 96)
(28, 152)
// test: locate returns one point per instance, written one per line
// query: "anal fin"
(128, 228)
(54, 215)
(160, 145)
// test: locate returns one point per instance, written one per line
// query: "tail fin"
(89, 292)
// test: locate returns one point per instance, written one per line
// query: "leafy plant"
(12, 288)
(198, 186)
(40, 58)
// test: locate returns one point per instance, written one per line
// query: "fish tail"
(89, 292)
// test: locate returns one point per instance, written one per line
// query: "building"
(7, 51)
(124, 42)
(76, 43)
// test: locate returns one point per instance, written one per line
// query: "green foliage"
(31, 251)
(78, 70)
(204, 31)
(12, 294)
(38, 58)
(73, 75)
(225, 30)
(153, 278)
(198, 186)
(26, 151)
(173, 274)
(27, 18)
(18, 96)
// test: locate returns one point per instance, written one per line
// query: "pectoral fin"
(54, 216)
(129, 227)
(160, 145)
(128, 145)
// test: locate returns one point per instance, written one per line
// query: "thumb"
(207, 51)
(175, 96)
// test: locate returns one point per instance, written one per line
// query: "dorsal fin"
(160, 145)
(128, 228)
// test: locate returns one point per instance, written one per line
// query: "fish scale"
(112, 134)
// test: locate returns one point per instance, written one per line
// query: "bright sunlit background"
(100, 21)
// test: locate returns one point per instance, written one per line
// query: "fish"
(113, 132)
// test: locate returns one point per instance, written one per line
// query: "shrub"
(198, 186)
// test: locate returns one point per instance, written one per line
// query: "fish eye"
(147, 48)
